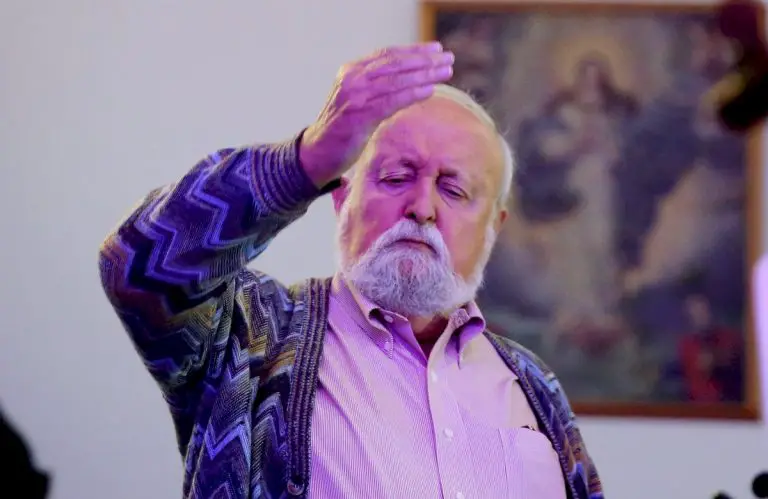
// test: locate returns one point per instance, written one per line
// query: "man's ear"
(340, 194)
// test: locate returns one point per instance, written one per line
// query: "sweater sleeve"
(170, 267)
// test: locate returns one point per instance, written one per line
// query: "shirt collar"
(363, 311)
(464, 324)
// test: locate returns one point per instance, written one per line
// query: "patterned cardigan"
(235, 353)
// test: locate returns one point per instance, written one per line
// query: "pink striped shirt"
(391, 423)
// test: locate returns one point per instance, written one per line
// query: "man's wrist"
(311, 161)
(285, 185)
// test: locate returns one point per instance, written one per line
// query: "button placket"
(451, 440)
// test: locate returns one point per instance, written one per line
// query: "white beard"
(409, 281)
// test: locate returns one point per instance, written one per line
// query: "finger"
(408, 62)
(398, 82)
(416, 48)
(396, 75)
(384, 106)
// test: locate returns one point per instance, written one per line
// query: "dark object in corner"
(760, 485)
(742, 96)
(19, 479)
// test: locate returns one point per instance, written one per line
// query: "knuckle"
(426, 60)
(346, 100)
(358, 103)
(433, 74)
(396, 63)
(342, 90)
(384, 53)
(399, 81)
(345, 83)
(409, 80)
(392, 81)
(353, 98)
(345, 72)
(348, 82)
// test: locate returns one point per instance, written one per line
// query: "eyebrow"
(453, 172)
(394, 147)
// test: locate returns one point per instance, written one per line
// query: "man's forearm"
(187, 241)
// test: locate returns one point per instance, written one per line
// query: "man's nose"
(421, 208)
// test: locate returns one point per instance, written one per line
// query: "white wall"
(102, 101)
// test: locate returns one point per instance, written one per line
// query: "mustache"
(408, 230)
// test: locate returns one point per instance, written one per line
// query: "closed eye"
(454, 192)
(397, 171)
(394, 179)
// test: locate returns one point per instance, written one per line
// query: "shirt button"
(433, 376)
(448, 433)
(389, 319)
(459, 495)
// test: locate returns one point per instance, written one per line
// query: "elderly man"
(381, 382)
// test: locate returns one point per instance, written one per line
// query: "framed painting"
(635, 217)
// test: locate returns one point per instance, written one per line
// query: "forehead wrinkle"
(415, 144)
(408, 131)
(396, 136)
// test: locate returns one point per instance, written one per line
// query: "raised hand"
(366, 93)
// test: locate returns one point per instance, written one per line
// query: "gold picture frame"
(618, 163)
